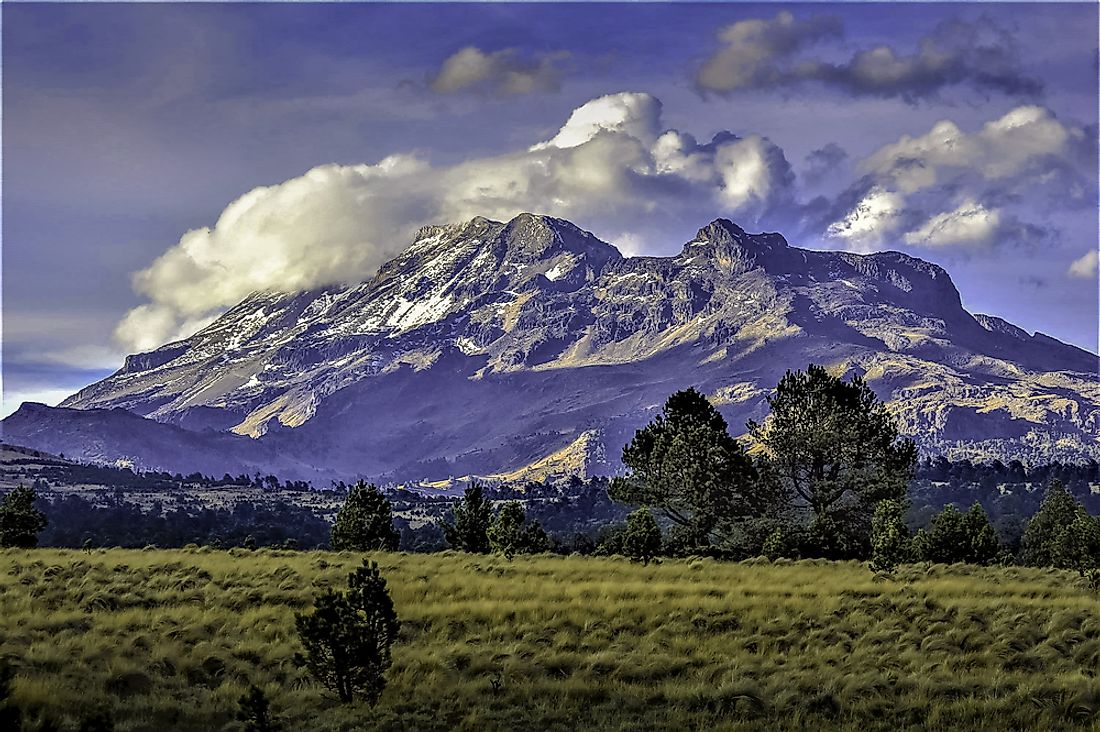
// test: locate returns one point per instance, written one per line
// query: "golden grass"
(169, 640)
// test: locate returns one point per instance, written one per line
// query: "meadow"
(170, 640)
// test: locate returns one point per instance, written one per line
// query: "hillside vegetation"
(172, 639)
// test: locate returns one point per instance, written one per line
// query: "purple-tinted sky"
(965, 134)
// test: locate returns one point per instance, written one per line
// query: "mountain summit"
(489, 346)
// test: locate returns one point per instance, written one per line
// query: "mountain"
(497, 348)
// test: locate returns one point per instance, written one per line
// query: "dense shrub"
(365, 522)
(958, 537)
(641, 539)
(891, 543)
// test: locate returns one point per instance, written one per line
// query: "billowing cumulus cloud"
(502, 72)
(949, 187)
(764, 54)
(611, 167)
(1085, 267)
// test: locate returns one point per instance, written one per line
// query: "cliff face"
(486, 347)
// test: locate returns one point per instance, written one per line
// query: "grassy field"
(169, 640)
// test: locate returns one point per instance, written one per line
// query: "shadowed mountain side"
(118, 437)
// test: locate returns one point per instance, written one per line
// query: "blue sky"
(965, 134)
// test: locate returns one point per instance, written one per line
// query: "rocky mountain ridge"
(487, 346)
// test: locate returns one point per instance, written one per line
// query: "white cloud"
(634, 113)
(610, 166)
(1023, 140)
(500, 72)
(872, 220)
(949, 187)
(969, 224)
(1085, 266)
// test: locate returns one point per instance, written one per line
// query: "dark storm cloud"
(764, 54)
(823, 161)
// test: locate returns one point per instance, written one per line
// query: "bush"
(348, 636)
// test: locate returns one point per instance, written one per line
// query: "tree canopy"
(472, 515)
(510, 534)
(832, 453)
(686, 464)
(365, 522)
(20, 521)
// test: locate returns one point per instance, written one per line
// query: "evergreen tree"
(687, 465)
(958, 537)
(832, 451)
(1043, 543)
(365, 522)
(506, 530)
(891, 544)
(510, 535)
(20, 521)
(472, 517)
(642, 537)
(348, 636)
(1077, 545)
(254, 712)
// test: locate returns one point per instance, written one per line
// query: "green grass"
(169, 640)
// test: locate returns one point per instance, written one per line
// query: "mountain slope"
(487, 346)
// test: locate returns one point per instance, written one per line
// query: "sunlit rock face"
(485, 347)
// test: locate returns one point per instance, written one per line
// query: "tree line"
(809, 481)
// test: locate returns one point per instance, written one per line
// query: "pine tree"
(20, 521)
(686, 464)
(510, 534)
(472, 517)
(1077, 545)
(891, 544)
(505, 531)
(832, 451)
(365, 522)
(1044, 531)
(642, 537)
(348, 636)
